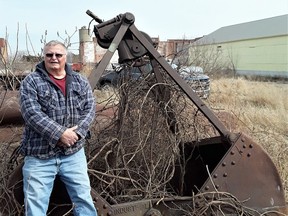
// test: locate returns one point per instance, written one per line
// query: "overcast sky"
(164, 18)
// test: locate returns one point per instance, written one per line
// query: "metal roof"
(269, 27)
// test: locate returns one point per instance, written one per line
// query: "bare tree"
(8, 78)
(17, 64)
(210, 57)
(67, 38)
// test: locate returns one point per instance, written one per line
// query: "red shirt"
(61, 83)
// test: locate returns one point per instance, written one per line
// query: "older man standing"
(58, 107)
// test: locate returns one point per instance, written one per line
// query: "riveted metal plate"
(248, 173)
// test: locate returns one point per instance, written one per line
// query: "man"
(58, 107)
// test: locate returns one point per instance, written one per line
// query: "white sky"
(164, 18)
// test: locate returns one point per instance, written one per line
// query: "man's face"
(55, 58)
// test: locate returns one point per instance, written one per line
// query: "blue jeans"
(39, 176)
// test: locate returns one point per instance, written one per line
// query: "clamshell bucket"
(236, 166)
(227, 164)
(231, 173)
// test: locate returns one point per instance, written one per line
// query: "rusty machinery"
(238, 156)
(235, 155)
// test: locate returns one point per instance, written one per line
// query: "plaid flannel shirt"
(48, 113)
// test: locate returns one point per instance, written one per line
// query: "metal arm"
(121, 33)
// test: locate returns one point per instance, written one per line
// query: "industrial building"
(257, 48)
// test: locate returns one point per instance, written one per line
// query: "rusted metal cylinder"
(10, 108)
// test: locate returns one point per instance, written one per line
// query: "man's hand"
(69, 137)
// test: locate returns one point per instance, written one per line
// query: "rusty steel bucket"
(235, 166)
